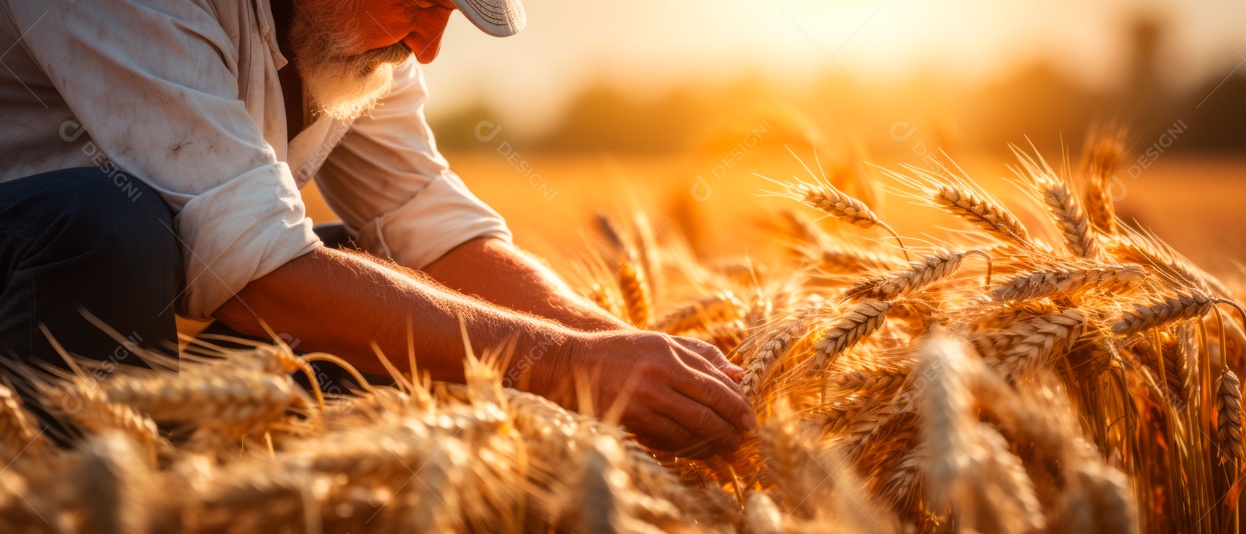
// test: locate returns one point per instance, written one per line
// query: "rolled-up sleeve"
(155, 84)
(394, 191)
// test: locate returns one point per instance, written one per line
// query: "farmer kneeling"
(150, 162)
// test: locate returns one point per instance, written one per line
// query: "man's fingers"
(722, 393)
(712, 431)
(714, 356)
(663, 433)
(725, 402)
(701, 356)
(736, 374)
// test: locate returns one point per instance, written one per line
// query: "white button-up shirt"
(183, 95)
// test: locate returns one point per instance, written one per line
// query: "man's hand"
(679, 393)
(684, 399)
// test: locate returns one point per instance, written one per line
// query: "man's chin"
(347, 101)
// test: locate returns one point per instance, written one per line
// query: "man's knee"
(91, 212)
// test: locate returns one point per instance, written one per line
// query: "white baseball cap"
(499, 18)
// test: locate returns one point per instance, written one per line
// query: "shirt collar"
(264, 14)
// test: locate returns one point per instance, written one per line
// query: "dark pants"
(85, 239)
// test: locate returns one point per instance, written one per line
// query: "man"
(150, 161)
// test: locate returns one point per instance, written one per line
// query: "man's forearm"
(497, 272)
(339, 303)
(681, 398)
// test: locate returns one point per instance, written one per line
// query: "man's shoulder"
(194, 15)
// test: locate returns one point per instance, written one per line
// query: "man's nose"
(425, 49)
(425, 40)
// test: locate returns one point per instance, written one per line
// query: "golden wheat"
(635, 290)
(1102, 159)
(1070, 282)
(1093, 390)
(993, 218)
(919, 275)
(1074, 225)
(861, 320)
(1159, 312)
(1229, 415)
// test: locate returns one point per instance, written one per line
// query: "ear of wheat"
(841, 259)
(699, 312)
(635, 289)
(771, 351)
(1095, 389)
(1070, 282)
(1031, 344)
(951, 194)
(1074, 225)
(1104, 156)
(984, 214)
(823, 196)
(863, 319)
(1160, 312)
(1148, 251)
(18, 434)
(1229, 415)
(919, 275)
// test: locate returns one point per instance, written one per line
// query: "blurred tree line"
(1035, 101)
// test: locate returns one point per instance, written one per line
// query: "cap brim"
(499, 18)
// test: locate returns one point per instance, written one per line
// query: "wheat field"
(1077, 375)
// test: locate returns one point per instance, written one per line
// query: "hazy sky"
(648, 46)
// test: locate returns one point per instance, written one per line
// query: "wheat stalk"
(1079, 237)
(907, 475)
(869, 383)
(114, 485)
(604, 300)
(1148, 251)
(89, 407)
(18, 434)
(771, 351)
(953, 194)
(919, 275)
(826, 198)
(700, 312)
(636, 297)
(840, 259)
(802, 229)
(1070, 282)
(986, 215)
(1177, 362)
(761, 514)
(1073, 223)
(1008, 494)
(861, 320)
(1030, 344)
(231, 399)
(1102, 160)
(1229, 415)
(1177, 307)
(1173, 355)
